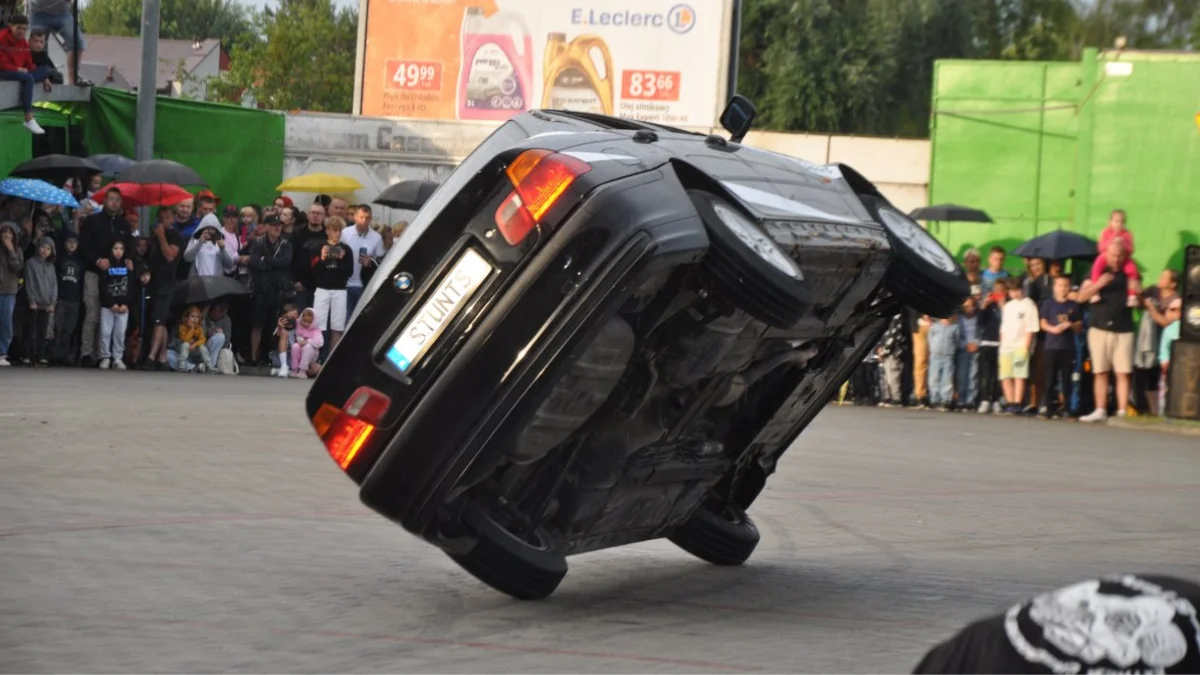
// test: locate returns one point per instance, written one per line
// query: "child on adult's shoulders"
(1113, 231)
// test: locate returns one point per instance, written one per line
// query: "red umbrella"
(134, 195)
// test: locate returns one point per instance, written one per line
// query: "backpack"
(226, 364)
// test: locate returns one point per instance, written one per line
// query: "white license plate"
(450, 297)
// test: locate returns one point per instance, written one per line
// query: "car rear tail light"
(539, 178)
(345, 431)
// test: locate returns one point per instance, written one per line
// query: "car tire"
(756, 282)
(524, 570)
(923, 274)
(723, 537)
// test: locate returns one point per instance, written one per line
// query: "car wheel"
(524, 569)
(923, 275)
(718, 536)
(748, 266)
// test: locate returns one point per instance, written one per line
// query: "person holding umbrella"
(100, 231)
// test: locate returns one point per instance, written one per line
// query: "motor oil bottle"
(573, 79)
(496, 77)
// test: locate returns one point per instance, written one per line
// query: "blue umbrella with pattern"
(37, 191)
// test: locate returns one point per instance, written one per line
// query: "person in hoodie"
(217, 329)
(11, 264)
(208, 251)
(99, 231)
(69, 265)
(114, 309)
(307, 345)
(41, 289)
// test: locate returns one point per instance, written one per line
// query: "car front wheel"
(721, 536)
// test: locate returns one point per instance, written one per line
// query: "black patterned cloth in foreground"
(1118, 624)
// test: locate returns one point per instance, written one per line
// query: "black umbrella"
(111, 165)
(154, 171)
(407, 194)
(201, 290)
(951, 213)
(55, 169)
(1058, 245)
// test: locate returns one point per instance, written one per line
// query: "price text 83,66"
(650, 85)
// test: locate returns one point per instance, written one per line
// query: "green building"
(1048, 145)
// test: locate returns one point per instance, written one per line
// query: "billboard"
(662, 61)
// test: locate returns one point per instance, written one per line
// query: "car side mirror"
(738, 117)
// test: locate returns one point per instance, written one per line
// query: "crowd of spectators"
(1041, 342)
(90, 287)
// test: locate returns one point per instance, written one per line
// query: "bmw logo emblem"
(404, 282)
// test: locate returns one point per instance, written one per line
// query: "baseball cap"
(231, 210)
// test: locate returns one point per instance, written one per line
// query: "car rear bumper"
(623, 232)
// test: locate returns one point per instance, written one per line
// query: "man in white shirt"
(367, 245)
(1019, 325)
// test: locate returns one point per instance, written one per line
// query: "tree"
(301, 57)
(224, 20)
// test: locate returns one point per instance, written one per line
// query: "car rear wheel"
(721, 536)
(524, 568)
(923, 275)
(748, 266)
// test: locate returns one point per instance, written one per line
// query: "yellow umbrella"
(319, 182)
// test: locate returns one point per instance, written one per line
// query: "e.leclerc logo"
(680, 18)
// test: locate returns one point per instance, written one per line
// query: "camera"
(289, 324)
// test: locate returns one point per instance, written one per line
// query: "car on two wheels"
(600, 331)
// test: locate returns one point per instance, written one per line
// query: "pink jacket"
(310, 333)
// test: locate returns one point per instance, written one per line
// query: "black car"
(600, 331)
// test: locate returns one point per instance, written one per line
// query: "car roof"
(769, 184)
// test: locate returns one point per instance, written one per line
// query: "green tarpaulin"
(16, 143)
(239, 151)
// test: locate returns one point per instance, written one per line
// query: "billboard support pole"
(147, 95)
(360, 56)
(735, 48)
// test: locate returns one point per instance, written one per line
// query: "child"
(285, 334)
(41, 290)
(41, 58)
(1116, 230)
(966, 355)
(994, 271)
(308, 343)
(190, 353)
(1018, 325)
(11, 264)
(139, 303)
(989, 346)
(114, 309)
(70, 294)
(943, 343)
(217, 328)
(891, 355)
(1060, 319)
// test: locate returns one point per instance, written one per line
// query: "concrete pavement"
(168, 522)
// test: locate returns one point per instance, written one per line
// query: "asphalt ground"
(166, 522)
